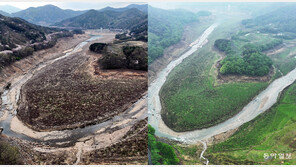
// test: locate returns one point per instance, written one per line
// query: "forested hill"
(19, 38)
(15, 31)
(46, 15)
(280, 20)
(143, 8)
(166, 29)
(4, 13)
(93, 19)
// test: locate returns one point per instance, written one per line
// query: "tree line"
(133, 57)
(251, 62)
(161, 153)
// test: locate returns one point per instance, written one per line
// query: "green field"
(189, 98)
(161, 153)
(285, 61)
(270, 133)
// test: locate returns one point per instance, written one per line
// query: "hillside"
(280, 20)
(46, 15)
(19, 39)
(4, 13)
(143, 8)
(108, 19)
(9, 9)
(256, 141)
(166, 29)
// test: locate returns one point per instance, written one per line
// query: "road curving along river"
(258, 105)
(13, 127)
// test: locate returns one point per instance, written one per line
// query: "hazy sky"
(75, 5)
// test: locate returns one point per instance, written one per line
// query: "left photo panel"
(73, 83)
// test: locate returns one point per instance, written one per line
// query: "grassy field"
(250, 37)
(189, 99)
(270, 133)
(285, 61)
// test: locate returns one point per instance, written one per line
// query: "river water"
(55, 138)
(258, 105)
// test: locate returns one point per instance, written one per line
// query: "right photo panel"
(222, 84)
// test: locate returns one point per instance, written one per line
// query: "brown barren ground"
(67, 95)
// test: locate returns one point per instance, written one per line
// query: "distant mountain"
(106, 18)
(9, 9)
(280, 20)
(143, 8)
(4, 13)
(46, 15)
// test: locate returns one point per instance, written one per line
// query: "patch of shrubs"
(9, 155)
(97, 47)
(133, 57)
(252, 62)
(122, 36)
(78, 31)
(161, 153)
(223, 45)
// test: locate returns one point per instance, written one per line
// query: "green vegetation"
(250, 61)
(166, 28)
(189, 154)
(278, 21)
(224, 45)
(271, 132)
(285, 60)
(9, 155)
(186, 106)
(161, 153)
(189, 98)
(108, 19)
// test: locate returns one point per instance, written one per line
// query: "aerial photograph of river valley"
(73, 83)
(143, 83)
(222, 83)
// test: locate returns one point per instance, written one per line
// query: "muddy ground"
(67, 95)
(72, 83)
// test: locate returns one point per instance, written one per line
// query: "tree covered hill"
(94, 19)
(9, 9)
(166, 29)
(46, 15)
(143, 8)
(280, 20)
(19, 38)
(4, 13)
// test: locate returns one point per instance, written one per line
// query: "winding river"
(63, 138)
(259, 104)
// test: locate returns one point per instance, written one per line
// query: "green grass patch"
(189, 99)
(271, 132)
(285, 61)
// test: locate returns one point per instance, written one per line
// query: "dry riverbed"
(121, 133)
